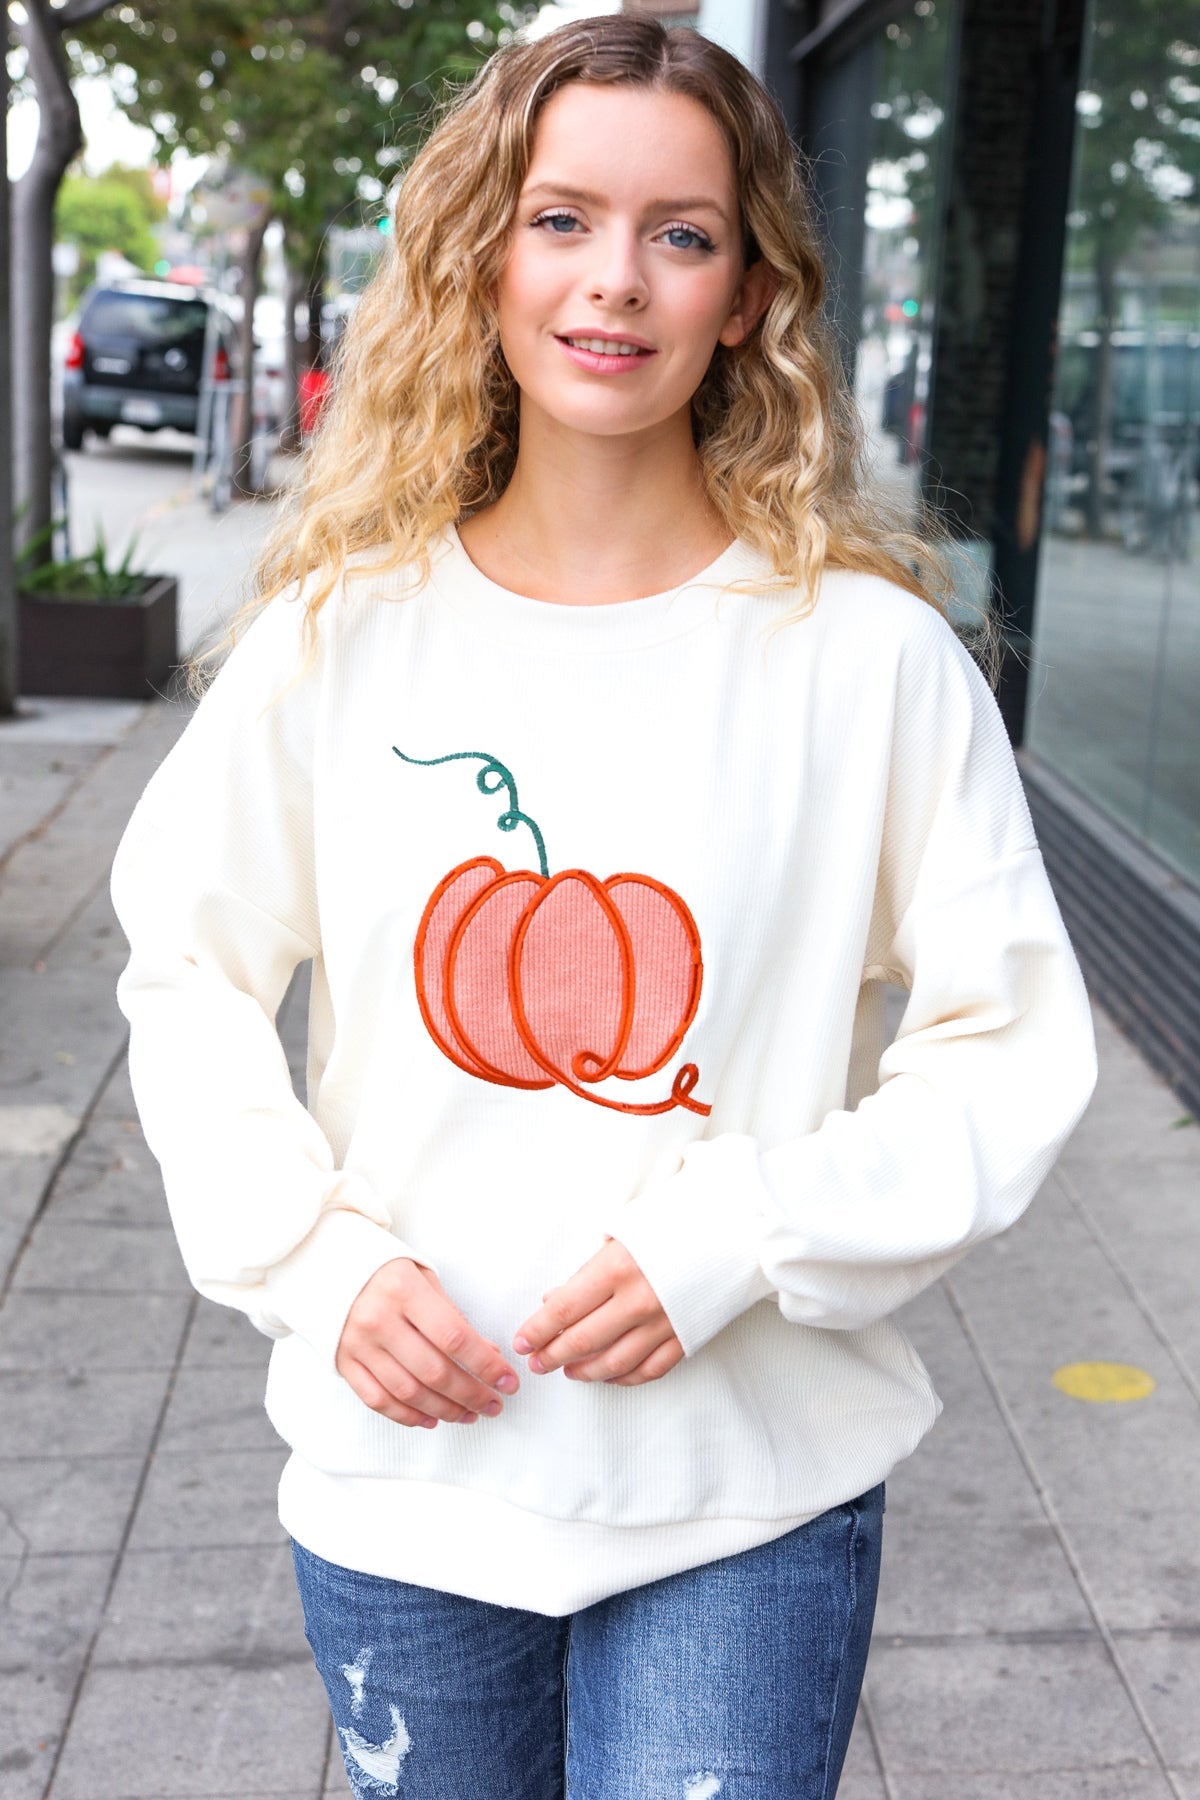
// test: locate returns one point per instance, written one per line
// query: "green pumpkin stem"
(508, 821)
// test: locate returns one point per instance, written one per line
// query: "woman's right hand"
(409, 1354)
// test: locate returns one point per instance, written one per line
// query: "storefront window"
(909, 84)
(1115, 677)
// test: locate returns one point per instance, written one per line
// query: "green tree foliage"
(107, 212)
(1138, 154)
(323, 104)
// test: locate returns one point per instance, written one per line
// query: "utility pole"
(8, 585)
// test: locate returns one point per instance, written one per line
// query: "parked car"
(136, 357)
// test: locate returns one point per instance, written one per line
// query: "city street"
(117, 484)
(1038, 1632)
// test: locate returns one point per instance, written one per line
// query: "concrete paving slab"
(12, 1234)
(202, 1500)
(108, 1258)
(115, 1100)
(24, 1178)
(201, 1728)
(1143, 1567)
(57, 727)
(90, 1331)
(61, 1034)
(1131, 1105)
(217, 1409)
(1126, 1781)
(1165, 1670)
(944, 1576)
(861, 1779)
(52, 878)
(66, 1505)
(961, 1514)
(237, 1605)
(49, 1609)
(79, 1414)
(110, 1178)
(1143, 1214)
(976, 1708)
(35, 777)
(1121, 1476)
(92, 938)
(222, 1338)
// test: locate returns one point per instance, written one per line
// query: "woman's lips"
(601, 364)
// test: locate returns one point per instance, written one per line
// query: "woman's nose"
(617, 279)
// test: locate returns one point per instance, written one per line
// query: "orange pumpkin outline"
(605, 1066)
(452, 1050)
(686, 1077)
(683, 912)
(489, 1071)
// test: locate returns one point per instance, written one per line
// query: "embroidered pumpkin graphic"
(531, 979)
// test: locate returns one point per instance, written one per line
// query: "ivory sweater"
(648, 1006)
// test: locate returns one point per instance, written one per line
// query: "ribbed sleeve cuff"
(696, 1237)
(312, 1290)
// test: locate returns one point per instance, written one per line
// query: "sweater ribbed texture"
(832, 807)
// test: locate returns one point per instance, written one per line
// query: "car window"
(151, 317)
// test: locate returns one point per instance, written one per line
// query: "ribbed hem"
(466, 1542)
(696, 1236)
(313, 1289)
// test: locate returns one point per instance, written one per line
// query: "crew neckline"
(608, 625)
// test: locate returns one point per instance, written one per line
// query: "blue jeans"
(739, 1678)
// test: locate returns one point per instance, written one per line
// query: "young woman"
(607, 752)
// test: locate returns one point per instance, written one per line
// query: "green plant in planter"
(87, 577)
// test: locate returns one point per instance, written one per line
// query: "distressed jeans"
(739, 1678)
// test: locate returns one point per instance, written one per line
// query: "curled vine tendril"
(508, 820)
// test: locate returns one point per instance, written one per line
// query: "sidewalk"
(1038, 1632)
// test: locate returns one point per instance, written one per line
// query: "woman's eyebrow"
(564, 191)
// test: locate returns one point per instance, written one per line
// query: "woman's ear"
(755, 292)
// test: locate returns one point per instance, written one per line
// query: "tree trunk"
(242, 421)
(1102, 419)
(8, 585)
(59, 140)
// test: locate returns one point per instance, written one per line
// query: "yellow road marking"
(1103, 1381)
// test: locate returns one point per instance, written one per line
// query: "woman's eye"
(560, 223)
(686, 237)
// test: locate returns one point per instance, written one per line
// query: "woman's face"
(625, 269)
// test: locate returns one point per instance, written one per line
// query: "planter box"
(99, 649)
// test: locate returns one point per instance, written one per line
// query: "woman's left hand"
(604, 1324)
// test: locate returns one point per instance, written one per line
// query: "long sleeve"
(213, 884)
(992, 1067)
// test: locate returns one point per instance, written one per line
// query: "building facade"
(1011, 202)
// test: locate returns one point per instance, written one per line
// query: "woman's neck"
(590, 520)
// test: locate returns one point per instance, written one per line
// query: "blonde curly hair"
(421, 428)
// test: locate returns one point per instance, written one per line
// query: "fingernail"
(427, 1422)
(507, 1384)
(522, 1346)
(537, 1365)
(493, 1409)
(469, 1418)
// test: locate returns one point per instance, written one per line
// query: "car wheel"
(72, 431)
(100, 427)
